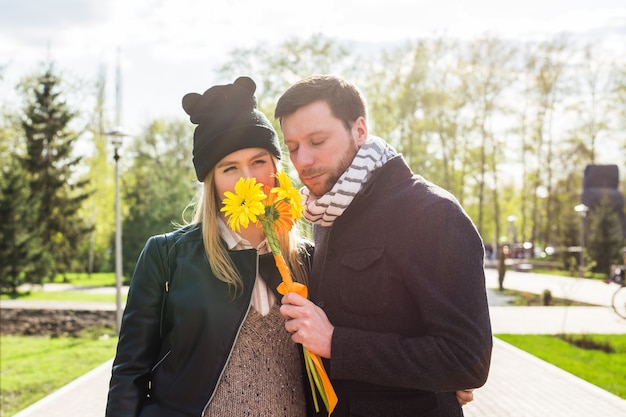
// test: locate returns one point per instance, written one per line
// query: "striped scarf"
(374, 153)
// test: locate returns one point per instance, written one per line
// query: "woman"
(201, 334)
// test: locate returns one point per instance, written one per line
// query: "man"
(398, 305)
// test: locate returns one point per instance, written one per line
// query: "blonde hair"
(207, 213)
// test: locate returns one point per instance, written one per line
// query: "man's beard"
(336, 173)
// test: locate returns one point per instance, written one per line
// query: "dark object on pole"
(602, 181)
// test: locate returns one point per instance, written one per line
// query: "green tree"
(275, 67)
(595, 107)
(20, 243)
(570, 163)
(98, 210)
(619, 102)
(416, 103)
(50, 164)
(395, 89)
(486, 76)
(544, 71)
(443, 106)
(158, 185)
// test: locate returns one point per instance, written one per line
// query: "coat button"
(321, 304)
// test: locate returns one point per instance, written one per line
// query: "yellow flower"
(245, 204)
(287, 192)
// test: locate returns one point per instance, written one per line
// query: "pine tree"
(50, 166)
(20, 245)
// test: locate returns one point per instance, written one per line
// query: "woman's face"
(247, 163)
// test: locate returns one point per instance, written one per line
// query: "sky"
(166, 48)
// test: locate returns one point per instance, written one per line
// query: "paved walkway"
(519, 384)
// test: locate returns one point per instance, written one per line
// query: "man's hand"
(465, 396)
(308, 324)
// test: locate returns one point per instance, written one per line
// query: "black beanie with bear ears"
(228, 121)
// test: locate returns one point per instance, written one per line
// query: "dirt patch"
(586, 342)
(526, 299)
(30, 322)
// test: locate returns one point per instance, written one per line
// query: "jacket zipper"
(163, 305)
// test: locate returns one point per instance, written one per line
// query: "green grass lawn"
(66, 296)
(81, 280)
(98, 279)
(603, 369)
(32, 367)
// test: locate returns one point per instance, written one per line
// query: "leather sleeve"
(139, 340)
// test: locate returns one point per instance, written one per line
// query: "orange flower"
(277, 212)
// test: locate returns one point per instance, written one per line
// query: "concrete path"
(519, 384)
(86, 396)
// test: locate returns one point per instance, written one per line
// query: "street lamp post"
(116, 140)
(582, 210)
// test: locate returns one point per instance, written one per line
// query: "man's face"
(320, 147)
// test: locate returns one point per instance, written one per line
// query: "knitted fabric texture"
(373, 154)
(263, 376)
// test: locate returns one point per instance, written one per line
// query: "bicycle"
(618, 301)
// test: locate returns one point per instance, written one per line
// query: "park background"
(503, 105)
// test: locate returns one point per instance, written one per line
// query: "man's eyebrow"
(310, 135)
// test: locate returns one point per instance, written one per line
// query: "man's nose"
(302, 158)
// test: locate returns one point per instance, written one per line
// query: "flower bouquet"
(277, 209)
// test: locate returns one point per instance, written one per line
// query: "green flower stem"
(307, 361)
(318, 382)
(271, 236)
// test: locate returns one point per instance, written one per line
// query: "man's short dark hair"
(344, 99)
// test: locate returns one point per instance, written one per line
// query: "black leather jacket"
(177, 374)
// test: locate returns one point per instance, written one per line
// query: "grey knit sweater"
(263, 376)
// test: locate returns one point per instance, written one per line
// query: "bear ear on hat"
(246, 83)
(189, 103)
